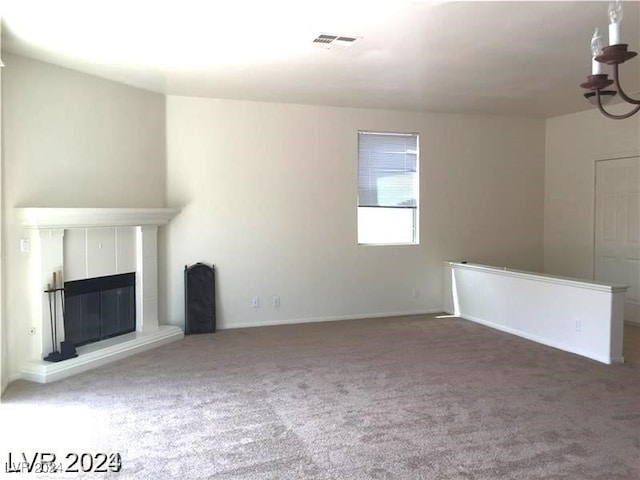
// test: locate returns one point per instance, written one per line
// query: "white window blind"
(387, 170)
(387, 187)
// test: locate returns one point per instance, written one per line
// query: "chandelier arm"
(623, 95)
(612, 116)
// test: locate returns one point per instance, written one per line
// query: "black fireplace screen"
(99, 308)
(199, 299)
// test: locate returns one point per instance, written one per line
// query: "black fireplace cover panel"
(199, 299)
(99, 308)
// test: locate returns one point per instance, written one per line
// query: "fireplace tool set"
(67, 350)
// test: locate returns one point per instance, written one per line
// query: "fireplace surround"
(86, 243)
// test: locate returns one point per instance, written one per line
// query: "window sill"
(388, 244)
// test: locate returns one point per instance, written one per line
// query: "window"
(387, 188)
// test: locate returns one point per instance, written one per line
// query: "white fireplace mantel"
(41, 218)
(88, 243)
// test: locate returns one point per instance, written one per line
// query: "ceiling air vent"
(327, 40)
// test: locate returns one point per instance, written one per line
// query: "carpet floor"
(632, 345)
(415, 397)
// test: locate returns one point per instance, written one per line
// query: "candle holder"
(615, 54)
(597, 82)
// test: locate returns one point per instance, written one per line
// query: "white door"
(617, 238)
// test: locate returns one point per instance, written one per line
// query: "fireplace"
(86, 247)
(99, 308)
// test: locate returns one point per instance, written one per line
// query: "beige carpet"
(403, 398)
(632, 345)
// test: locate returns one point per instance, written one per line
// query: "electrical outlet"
(25, 245)
(415, 293)
(255, 302)
(276, 301)
(578, 325)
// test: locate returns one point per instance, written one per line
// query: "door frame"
(599, 161)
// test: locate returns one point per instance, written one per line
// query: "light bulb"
(615, 17)
(596, 43)
(596, 49)
(615, 11)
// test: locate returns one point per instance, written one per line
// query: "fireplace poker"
(61, 294)
(55, 314)
(53, 341)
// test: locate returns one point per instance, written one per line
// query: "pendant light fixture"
(614, 55)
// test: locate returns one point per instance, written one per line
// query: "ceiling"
(505, 58)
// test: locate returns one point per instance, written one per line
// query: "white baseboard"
(336, 318)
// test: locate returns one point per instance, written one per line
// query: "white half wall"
(268, 195)
(576, 316)
(70, 140)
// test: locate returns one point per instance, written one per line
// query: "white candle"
(614, 34)
(596, 49)
(615, 19)
(596, 67)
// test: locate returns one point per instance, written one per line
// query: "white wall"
(268, 193)
(573, 144)
(4, 362)
(71, 140)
